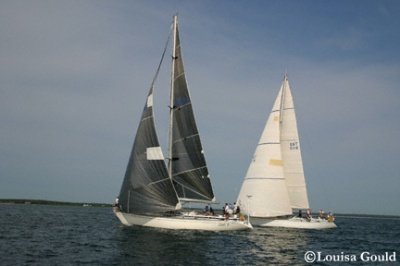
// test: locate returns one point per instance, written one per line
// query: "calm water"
(55, 235)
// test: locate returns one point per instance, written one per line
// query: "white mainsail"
(274, 183)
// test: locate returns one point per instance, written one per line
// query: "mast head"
(285, 77)
(175, 18)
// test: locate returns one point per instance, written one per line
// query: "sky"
(74, 76)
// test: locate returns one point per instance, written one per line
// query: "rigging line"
(162, 59)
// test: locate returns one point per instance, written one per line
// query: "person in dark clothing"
(237, 208)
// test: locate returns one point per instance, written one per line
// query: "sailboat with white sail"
(152, 193)
(275, 185)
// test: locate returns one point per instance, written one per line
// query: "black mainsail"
(187, 165)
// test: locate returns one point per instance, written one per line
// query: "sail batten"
(162, 180)
(187, 171)
(269, 143)
(185, 138)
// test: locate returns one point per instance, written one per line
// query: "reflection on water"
(260, 246)
(278, 245)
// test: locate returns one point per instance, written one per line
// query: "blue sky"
(74, 77)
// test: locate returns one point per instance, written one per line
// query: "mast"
(171, 105)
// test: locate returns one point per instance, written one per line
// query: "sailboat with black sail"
(152, 193)
(275, 185)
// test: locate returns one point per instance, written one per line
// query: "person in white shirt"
(228, 209)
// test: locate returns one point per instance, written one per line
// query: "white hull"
(294, 222)
(184, 222)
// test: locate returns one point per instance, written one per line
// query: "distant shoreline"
(51, 202)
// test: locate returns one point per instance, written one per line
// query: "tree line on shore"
(50, 202)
